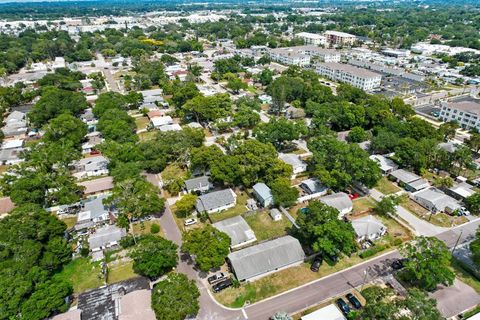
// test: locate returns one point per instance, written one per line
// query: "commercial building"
(338, 38)
(257, 261)
(312, 38)
(465, 110)
(357, 77)
(324, 55)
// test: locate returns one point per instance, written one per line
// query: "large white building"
(466, 111)
(357, 77)
(324, 55)
(337, 38)
(289, 56)
(312, 38)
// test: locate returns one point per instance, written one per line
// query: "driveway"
(455, 299)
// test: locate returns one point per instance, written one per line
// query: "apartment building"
(465, 110)
(289, 56)
(324, 55)
(337, 38)
(312, 38)
(357, 77)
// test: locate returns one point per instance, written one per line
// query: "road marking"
(244, 313)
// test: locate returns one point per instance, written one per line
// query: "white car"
(189, 222)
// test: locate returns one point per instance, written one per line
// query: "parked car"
(216, 277)
(222, 285)
(398, 264)
(354, 301)
(317, 262)
(464, 211)
(189, 222)
(343, 306)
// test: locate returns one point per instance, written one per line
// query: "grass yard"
(439, 219)
(142, 122)
(281, 281)
(386, 186)
(82, 274)
(138, 229)
(363, 204)
(265, 228)
(239, 208)
(465, 276)
(69, 221)
(148, 135)
(294, 210)
(120, 271)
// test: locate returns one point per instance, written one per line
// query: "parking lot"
(428, 109)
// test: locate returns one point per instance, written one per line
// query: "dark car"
(343, 306)
(398, 264)
(216, 277)
(317, 262)
(354, 301)
(222, 285)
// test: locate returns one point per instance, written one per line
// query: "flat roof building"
(338, 38)
(312, 38)
(357, 77)
(464, 110)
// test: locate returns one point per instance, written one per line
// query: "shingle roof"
(340, 201)
(237, 229)
(214, 200)
(313, 185)
(196, 183)
(97, 185)
(106, 235)
(265, 257)
(404, 175)
(368, 225)
(291, 159)
(439, 199)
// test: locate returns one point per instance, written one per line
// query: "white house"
(340, 201)
(368, 228)
(298, 165)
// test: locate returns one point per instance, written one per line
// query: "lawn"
(281, 281)
(82, 274)
(69, 221)
(465, 276)
(148, 135)
(120, 271)
(439, 219)
(386, 186)
(138, 229)
(239, 208)
(264, 226)
(363, 204)
(142, 122)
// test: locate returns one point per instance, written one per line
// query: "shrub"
(154, 228)
(371, 251)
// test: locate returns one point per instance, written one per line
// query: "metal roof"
(106, 235)
(214, 200)
(237, 229)
(404, 175)
(263, 191)
(197, 183)
(265, 257)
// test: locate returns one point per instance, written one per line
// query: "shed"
(238, 230)
(275, 214)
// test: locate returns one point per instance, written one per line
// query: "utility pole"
(456, 243)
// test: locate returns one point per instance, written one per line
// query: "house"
(15, 124)
(216, 201)
(93, 139)
(157, 122)
(461, 191)
(386, 165)
(409, 180)
(330, 312)
(136, 305)
(449, 146)
(340, 201)
(368, 228)
(11, 156)
(72, 314)
(313, 186)
(6, 205)
(294, 160)
(275, 214)
(12, 144)
(170, 127)
(93, 212)
(238, 230)
(263, 194)
(92, 166)
(96, 186)
(435, 200)
(106, 237)
(262, 259)
(198, 184)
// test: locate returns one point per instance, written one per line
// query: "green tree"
(448, 130)
(154, 256)
(278, 132)
(474, 141)
(202, 157)
(357, 134)
(178, 293)
(173, 178)
(48, 298)
(475, 248)
(387, 206)
(235, 84)
(321, 230)
(283, 193)
(65, 129)
(428, 263)
(473, 203)
(209, 246)
(186, 205)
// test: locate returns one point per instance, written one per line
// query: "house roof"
(94, 208)
(449, 146)
(161, 121)
(329, 312)
(214, 200)
(12, 144)
(419, 184)
(340, 201)
(170, 127)
(136, 305)
(265, 257)
(151, 92)
(275, 212)
(6, 205)
(383, 162)
(313, 185)
(439, 199)
(97, 185)
(106, 235)
(291, 159)
(367, 225)
(463, 189)
(263, 191)
(15, 116)
(197, 183)
(404, 175)
(237, 229)
(69, 315)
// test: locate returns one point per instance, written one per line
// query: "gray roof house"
(313, 186)
(368, 228)
(238, 230)
(461, 191)
(197, 184)
(93, 212)
(294, 160)
(386, 165)
(410, 180)
(263, 194)
(106, 237)
(340, 201)
(15, 124)
(435, 200)
(92, 166)
(216, 201)
(257, 261)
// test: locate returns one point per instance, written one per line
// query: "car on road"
(354, 301)
(343, 306)
(398, 264)
(222, 285)
(189, 222)
(216, 277)
(317, 262)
